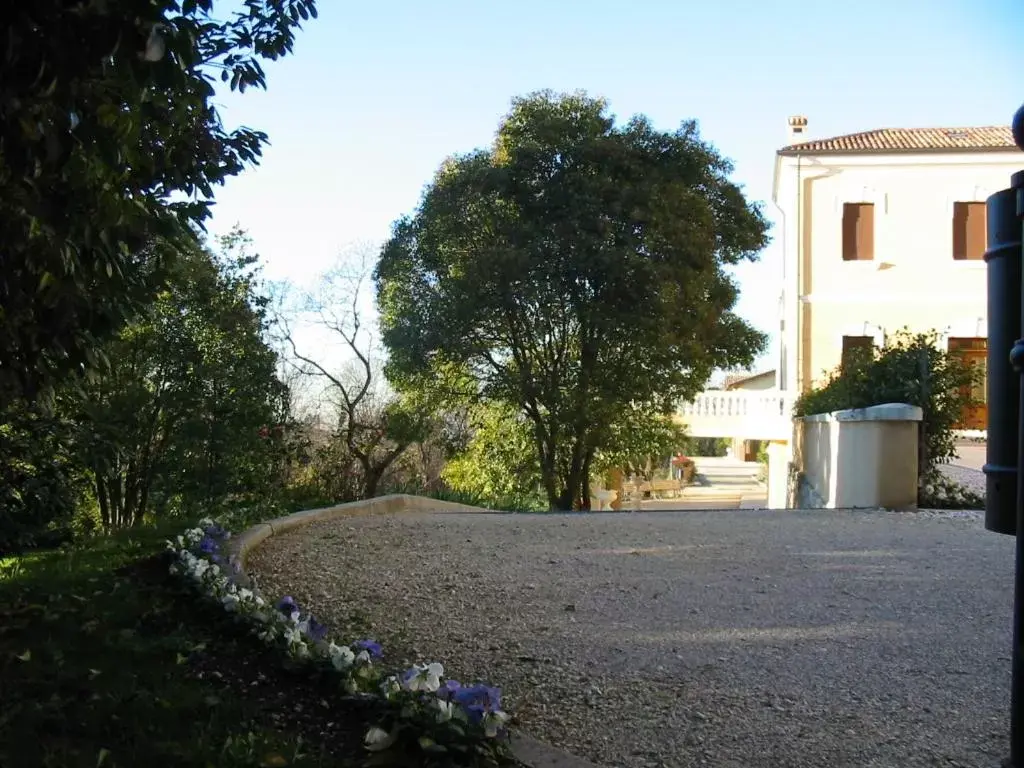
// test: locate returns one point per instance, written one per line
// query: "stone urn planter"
(602, 500)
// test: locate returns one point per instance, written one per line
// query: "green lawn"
(106, 660)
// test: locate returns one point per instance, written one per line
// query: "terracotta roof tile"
(996, 138)
(734, 379)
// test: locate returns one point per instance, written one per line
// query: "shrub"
(911, 369)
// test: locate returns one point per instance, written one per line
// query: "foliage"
(707, 446)
(499, 465)
(639, 440)
(117, 663)
(41, 483)
(110, 147)
(575, 267)
(190, 409)
(431, 723)
(912, 369)
(941, 492)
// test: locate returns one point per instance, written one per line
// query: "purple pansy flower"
(217, 532)
(409, 674)
(478, 699)
(372, 647)
(449, 689)
(289, 607)
(315, 629)
(208, 545)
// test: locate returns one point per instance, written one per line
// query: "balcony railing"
(739, 404)
(751, 414)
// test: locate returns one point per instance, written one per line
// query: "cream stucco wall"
(865, 458)
(913, 280)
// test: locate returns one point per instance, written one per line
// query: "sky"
(377, 94)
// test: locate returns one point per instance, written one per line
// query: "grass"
(106, 660)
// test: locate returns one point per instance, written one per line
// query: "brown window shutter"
(866, 232)
(969, 231)
(850, 217)
(976, 233)
(858, 231)
(959, 231)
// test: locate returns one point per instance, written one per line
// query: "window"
(973, 351)
(969, 235)
(858, 231)
(855, 348)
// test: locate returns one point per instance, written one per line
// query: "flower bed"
(427, 720)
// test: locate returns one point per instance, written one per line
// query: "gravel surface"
(730, 638)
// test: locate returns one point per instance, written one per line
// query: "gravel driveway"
(730, 638)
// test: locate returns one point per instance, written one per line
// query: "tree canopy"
(576, 269)
(109, 143)
(190, 411)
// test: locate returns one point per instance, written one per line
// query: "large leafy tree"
(191, 406)
(109, 141)
(575, 267)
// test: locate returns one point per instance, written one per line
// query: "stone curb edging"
(526, 750)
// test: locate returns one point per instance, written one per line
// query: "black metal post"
(1016, 759)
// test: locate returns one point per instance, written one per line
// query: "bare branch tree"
(366, 408)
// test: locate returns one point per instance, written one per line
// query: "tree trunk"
(548, 475)
(102, 499)
(587, 461)
(371, 480)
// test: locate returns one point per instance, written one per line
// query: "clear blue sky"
(376, 95)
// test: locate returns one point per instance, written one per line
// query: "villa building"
(884, 230)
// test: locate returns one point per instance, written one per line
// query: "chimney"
(797, 129)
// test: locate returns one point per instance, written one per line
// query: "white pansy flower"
(378, 739)
(363, 657)
(230, 603)
(424, 677)
(444, 710)
(341, 656)
(493, 722)
(206, 522)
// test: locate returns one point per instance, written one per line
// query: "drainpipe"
(799, 377)
(794, 353)
(780, 374)
(795, 328)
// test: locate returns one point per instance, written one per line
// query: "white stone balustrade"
(752, 415)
